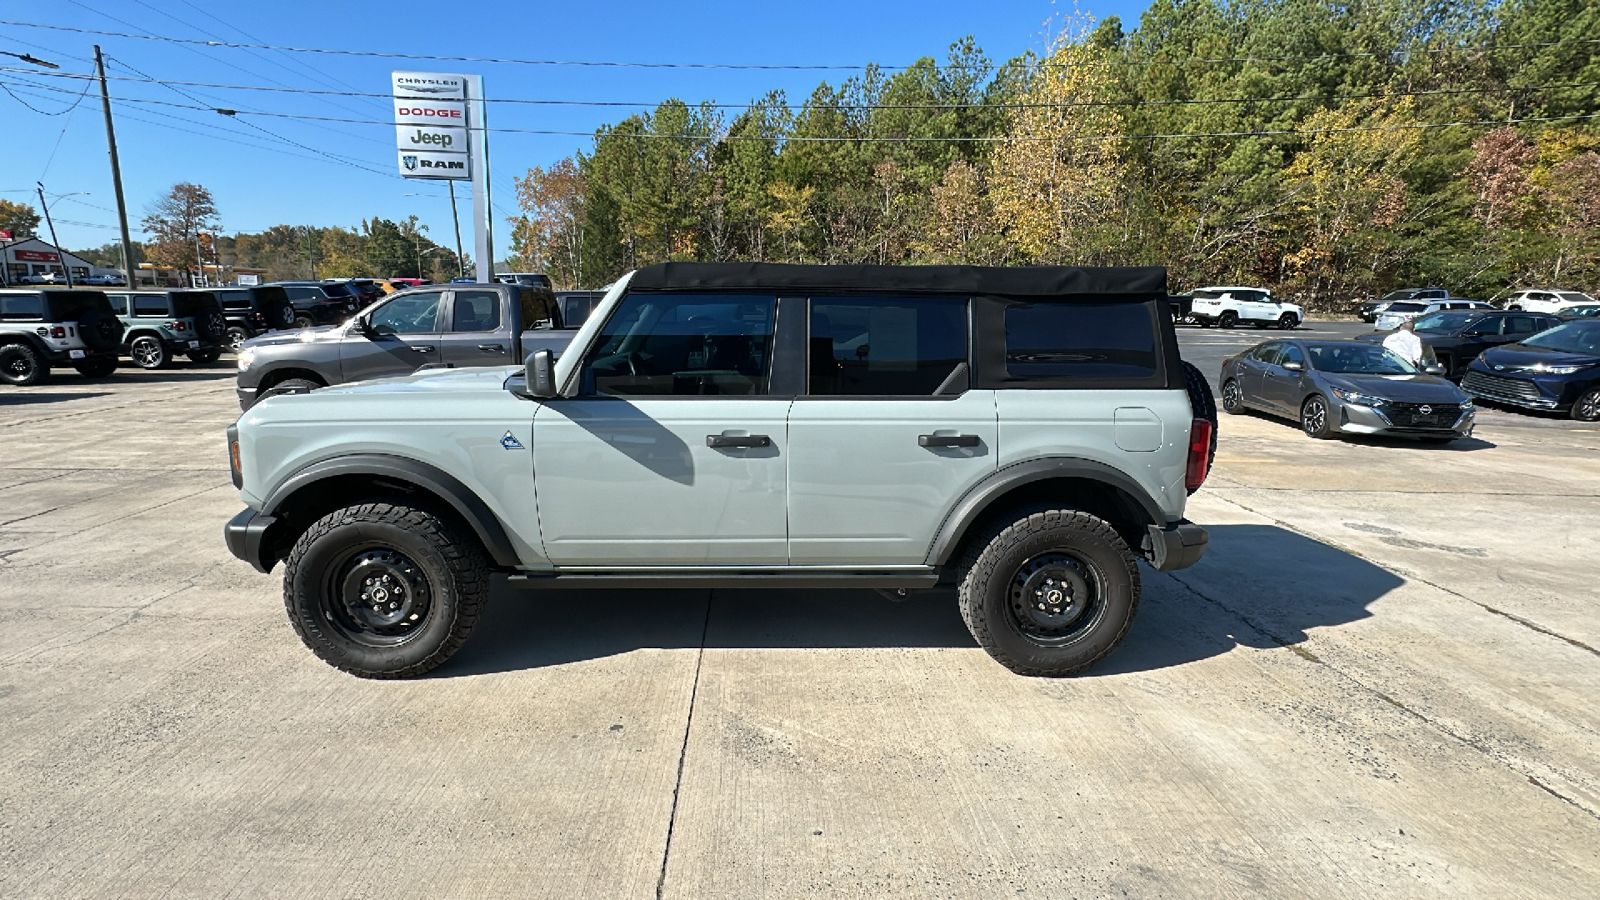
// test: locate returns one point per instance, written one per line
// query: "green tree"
(20, 219)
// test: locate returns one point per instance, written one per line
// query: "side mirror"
(539, 377)
(1295, 366)
(1435, 369)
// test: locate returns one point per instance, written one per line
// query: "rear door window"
(475, 311)
(885, 346)
(1521, 325)
(538, 308)
(1091, 339)
(1271, 354)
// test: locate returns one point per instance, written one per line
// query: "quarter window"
(1094, 339)
(408, 314)
(147, 305)
(475, 311)
(886, 346)
(22, 306)
(684, 345)
(1521, 325)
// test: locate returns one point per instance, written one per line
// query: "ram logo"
(410, 162)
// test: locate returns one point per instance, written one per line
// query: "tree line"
(1326, 150)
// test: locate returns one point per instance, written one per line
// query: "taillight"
(180, 326)
(1200, 431)
(58, 332)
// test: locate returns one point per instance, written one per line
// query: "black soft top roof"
(1022, 281)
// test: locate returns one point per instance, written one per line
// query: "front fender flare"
(467, 504)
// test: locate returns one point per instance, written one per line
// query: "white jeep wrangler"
(1027, 434)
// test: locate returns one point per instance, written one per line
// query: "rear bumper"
(1178, 545)
(75, 356)
(244, 535)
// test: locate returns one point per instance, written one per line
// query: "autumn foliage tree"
(20, 219)
(175, 220)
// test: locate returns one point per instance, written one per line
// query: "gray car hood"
(296, 336)
(1400, 388)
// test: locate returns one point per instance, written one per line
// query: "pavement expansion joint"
(683, 749)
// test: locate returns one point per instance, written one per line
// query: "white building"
(31, 256)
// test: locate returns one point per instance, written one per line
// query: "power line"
(868, 139)
(1303, 98)
(380, 54)
(86, 85)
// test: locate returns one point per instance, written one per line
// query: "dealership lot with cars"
(1384, 667)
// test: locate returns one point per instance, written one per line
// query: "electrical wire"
(1303, 98)
(868, 139)
(380, 54)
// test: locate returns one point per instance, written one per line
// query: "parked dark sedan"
(1345, 387)
(1457, 336)
(1556, 370)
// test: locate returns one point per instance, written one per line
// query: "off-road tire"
(1203, 404)
(993, 561)
(99, 367)
(1322, 430)
(148, 352)
(1228, 319)
(21, 365)
(205, 357)
(450, 558)
(1587, 407)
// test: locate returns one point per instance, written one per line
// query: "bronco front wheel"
(1052, 593)
(385, 591)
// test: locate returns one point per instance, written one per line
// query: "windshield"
(1406, 307)
(1575, 296)
(1357, 358)
(1398, 295)
(1573, 337)
(1441, 321)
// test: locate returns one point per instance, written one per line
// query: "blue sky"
(260, 180)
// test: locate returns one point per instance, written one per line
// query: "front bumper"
(1551, 394)
(1355, 419)
(245, 534)
(1178, 545)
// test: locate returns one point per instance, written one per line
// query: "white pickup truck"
(1231, 306)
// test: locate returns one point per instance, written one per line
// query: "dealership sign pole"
(441, 134)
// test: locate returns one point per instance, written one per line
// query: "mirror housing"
(1435, 369)
(539, 380)
(1294, 366)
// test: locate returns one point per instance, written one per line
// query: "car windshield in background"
(1582, 312)
(1574, 296)
(340, 291)
(1573, 337)
(1441, 321)
(1406, 307)
(1355, 358)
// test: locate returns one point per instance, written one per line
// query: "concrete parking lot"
(1381, 681)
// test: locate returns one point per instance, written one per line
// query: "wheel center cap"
(1054, 597)
(380, 595)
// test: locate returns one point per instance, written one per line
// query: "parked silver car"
(1346, 387)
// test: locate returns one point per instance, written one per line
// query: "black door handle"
(723, 441)
(492, 348)
(947, 440)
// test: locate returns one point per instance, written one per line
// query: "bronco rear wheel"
(1051, 593)
(382, 590)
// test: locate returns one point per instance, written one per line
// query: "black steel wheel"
(147, 352)
(1232, 397)
(22, 365)
(1587, 408)
(1315, 417)
(1050, 593)
(382, 590)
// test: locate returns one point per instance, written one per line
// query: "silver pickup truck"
(434, 327)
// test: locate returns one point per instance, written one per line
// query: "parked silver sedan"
(1346, 387)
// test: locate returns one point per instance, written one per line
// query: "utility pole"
(60, 253)
(460, 262)
(116, 170)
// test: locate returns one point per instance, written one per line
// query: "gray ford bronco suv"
(1027, 434)
(450, 326)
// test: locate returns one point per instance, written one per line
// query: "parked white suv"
(1397, 313)
(1229, 306)
(1545, 300)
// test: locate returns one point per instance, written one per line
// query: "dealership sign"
(430, 125)
(36, 256)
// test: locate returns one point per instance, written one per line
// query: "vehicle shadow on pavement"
(1258, 586)
(14, 399)
(1375, 440)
